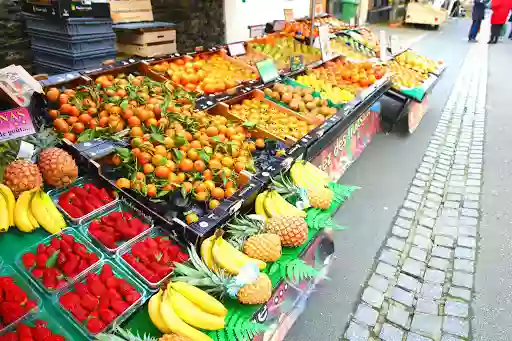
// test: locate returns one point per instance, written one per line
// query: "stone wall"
(199, 22)
(14, 41)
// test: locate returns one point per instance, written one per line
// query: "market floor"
(384, 172)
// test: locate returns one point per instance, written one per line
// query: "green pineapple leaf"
(297, 270)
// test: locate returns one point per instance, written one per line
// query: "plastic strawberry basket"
(46, 241)
(119, 272)
(126, 249)
(41, 315)
(121, 206)
(80, 182)
(27, 288)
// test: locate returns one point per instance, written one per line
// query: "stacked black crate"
(14, 41)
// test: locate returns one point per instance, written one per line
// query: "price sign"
(383, 46)
(236, 49)
(296, 62)
(325, 43)
(288, 14)
(394, 44)
(279, 25)
(268, 71)
(256, 31)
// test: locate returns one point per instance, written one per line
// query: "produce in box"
(38, 332)
(14, 302)
(154, 257)
(80, 201)
(98, 300)
(114, 229)
(60, 261)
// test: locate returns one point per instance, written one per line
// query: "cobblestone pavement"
(422, 283)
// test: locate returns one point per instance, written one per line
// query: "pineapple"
(174, 337)
(120, 334)
(319, 197)
(293, 231)
(195, 272)
(21, 176)
(249, 234)
(58, 167)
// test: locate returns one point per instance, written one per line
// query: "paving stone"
(417, 190)
(456, 308)
(462, 279)
(386, 270)
(398, 315)
(411, 205)
(416, 337)
(373, 297)
(396, 243)
(427, 306)
(456, 326)
(469, 212)
(355, 332)
(438, 185)
(434, 276)
(414, 197)
(443, 241)
(413, 267)
(434, 197)
(439, 263)
(464, 265)
(419, 183)
(379, 282)
(445, 230)
(402, 296)
(472, 197)
(427, 325)
(454, 197)
(465, 253)
(428, 222)
(449, 212)
(471, 204)
(390, 257)
(422, 242)
(418, 254)
(468, 242)
(400, 232)
(450, 338)
(431, 212)
(390, 333)
(442, 252)
(423, 231)
(473, 182)
(452, 204)
(467, 231)
(403, 223)
(443, 172)
(408, 282)
(469, 221)
(405, 213)
(366, 315)
(462, 293)
(431, 290)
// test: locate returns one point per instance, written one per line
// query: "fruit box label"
(15, 123)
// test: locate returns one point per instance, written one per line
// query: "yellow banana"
(270, 208)
(32, 219)
(21, 212)
(285, 208)
(206, 252)
(54, 212)
(193, 315)
(10, 200)
(4, 215)
(259, 204)
(43, 214)
(200, 297)
(231, 259)
(154, 312)
(176, 324)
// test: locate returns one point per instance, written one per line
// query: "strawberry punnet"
(14, 303)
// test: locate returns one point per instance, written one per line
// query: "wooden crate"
(147, 50)
(131, 10)
(147, 42)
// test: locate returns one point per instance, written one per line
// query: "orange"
(186, 165)
(148, 168)
(162, 172)
(218, 193)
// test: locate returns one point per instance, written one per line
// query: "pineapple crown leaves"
(284, 185)
(243, 227)
(123, 335)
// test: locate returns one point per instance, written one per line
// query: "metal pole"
(312, 15)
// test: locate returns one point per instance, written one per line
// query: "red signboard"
(416, 113)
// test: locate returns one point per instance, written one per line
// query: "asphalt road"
(384, 172)
(493, 286)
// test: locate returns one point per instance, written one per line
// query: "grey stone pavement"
(405, 270)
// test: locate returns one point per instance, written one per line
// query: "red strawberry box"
(38, 327)
(152, 256)
(85, 199)
(17, 300)
(103, 296)
(116, 227)
(58, 260)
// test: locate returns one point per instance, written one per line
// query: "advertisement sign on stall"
(346, 148)
(416, 112)
(15, 123)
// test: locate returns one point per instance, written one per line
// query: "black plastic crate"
(41, 67)
(72, 26)
(72, 61)
(73, 44)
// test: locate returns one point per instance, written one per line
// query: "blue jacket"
(479, 10)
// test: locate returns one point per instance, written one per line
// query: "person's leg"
(495, 32)
(510, 35)
(472, 30)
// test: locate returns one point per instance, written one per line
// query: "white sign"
(325, 43)
(257, 31)
(383, 46)
(236, 49)
(394, 44)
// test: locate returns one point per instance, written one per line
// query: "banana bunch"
(35, 209)
(218, 254)
(307, 175)
(7, 203)
(271, 204)
(182, 308)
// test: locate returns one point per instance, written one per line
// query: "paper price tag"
(236, 49)
(256, 31)
(26, 150)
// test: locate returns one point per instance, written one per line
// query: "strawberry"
(118, 306)
(61, 260)
(23, 330)
(92, 258)
(111, 283)
(56, 337)
(104, 302)
(182, 257)
(15, 294)
(106, 273)
(96, 287)
(71, 264)
(139, 250)
(151, 244)
(132, 298)
(107, 315)
(37, 273)
(69, 300)
(95, 325)
(41, 259)
(68, 239)
(81, 289)
(29, 260)
(94, 314)
(80, 250)
(41, 333)
(6, 281)
(106, 239)
(89, 302)
(11, 311)
(50, 250)
(136, 224)
(50, 278)
(41, 248)
(9, 337)
(79, 313)
(41, 323)
(30, 305)
(55, 242)
(130, 259)
(61, 283)
(92, 277)
(125, 288)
